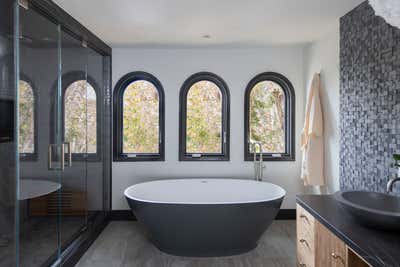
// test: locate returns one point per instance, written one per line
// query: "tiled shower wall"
(369, 99)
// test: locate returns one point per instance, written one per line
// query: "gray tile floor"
(38, 240)
(123, 244)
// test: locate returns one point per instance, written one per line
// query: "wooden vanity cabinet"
(330, 250)
(319, 247)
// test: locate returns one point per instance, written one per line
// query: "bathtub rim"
(281, 195)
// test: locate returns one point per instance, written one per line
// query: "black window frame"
(290, 115)
(223, 87)
(118, 95)
(32, 156)
(68, 79)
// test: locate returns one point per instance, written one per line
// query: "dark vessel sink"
(375, 210)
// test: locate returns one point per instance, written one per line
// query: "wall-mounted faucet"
(258, 165)
(396, 165)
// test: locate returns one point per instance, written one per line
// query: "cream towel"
(312, 138)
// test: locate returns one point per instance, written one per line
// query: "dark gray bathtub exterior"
(205, 230)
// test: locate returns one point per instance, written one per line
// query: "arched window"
(27, 121)
(204, 118)
(269, 117)
(80, 117)
(138, 118)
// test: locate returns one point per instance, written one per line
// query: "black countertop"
(379, 248)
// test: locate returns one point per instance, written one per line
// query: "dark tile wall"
(369, 99)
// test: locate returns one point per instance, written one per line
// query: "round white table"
(30, 188)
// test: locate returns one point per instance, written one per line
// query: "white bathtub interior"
(204, 191)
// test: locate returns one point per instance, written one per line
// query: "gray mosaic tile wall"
(369, 99)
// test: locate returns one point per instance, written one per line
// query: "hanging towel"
(312, 138)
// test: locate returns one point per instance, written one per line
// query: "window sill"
(189, 157)
(138, 158)
(283, 157)
(88, 157)
(28, 157)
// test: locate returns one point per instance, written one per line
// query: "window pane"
(204, 118)
(26, 118)
(267, 116)
(80, 117)
(141, 118)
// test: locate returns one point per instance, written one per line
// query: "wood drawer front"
(305, 238)
(305, 255)
(330, 250)
(305, 224)
(304, 220)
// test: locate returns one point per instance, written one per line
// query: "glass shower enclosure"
(55, 125)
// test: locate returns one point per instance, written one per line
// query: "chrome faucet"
(258, 165)
(389, 186)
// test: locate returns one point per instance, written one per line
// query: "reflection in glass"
(80, 117)
(26, 118)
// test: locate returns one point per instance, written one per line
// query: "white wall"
(236, 67)
(323, 56)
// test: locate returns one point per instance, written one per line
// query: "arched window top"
(80, 91)
(142, 91)
(27, 120)
(269, 117)
(139, 118)
(205, 80)
(25, 90)
(204, 121)
(206, 91)
(138, 80)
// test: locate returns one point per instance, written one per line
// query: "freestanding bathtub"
(205, 217)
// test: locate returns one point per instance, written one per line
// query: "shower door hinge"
(24, 4)
(84, 43)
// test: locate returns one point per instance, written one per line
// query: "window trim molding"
(223, 87)
(118, 95)
(35, 155)
(290, 116)
(66, 80)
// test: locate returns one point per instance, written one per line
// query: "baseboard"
(121, 215)
(286, 214)
(127, 215)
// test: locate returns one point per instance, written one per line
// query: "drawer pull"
(303, 241)
(337, 257)
(304, 217)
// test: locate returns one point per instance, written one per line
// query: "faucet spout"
(390, 184)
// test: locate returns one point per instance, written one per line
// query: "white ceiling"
(228, 22)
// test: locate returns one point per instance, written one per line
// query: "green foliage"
(267, 123)
(204, 118)
(26, 118)
(141, 118)
(80, 117)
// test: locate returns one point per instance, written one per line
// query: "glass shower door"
(75, 98)
(42, 153)
(61, 102)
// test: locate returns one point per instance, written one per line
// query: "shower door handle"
(69, 155)
(50, 157)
